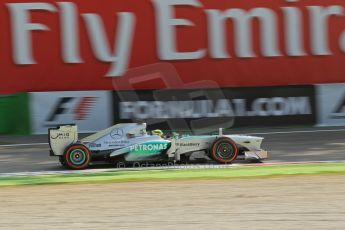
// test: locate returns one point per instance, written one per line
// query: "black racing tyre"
(77, 157)
(184, 159)
(224, 150)
(62, 161)
(256, 161)
(119, 162)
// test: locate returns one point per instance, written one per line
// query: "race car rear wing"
(61, 137)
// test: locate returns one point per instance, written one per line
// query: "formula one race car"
(131, 142)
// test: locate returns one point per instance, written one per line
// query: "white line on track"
(91, 171)
(159, 168)
(28, 144)
(263, 133)
(299, 131)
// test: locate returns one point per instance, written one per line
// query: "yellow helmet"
(157, 132)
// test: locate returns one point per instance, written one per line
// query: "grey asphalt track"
(284, 145)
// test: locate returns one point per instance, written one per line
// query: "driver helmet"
(157, 132)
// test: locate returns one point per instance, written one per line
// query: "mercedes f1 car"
(131, 142)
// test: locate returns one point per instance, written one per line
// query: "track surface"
(283, 144)
(303, 202)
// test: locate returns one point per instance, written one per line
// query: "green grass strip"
(173, 174)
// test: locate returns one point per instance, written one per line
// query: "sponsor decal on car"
(148, 148)
(187, 144)
(116, 143)
(95, 145)
(116, 133)
(60, 136)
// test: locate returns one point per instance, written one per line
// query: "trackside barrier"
(14, 114)
(330, 104)
(90, 110)
(322, 105)
(203, 110)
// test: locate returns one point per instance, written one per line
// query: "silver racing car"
(130, 142)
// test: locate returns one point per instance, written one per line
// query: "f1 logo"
(80, 111)
(59, 108)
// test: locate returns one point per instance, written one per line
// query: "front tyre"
(224, 150)
(77, 157)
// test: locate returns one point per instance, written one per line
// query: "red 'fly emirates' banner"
(92, 44)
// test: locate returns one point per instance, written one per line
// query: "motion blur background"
(226, 64)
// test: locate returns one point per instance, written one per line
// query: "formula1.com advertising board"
(204, 110)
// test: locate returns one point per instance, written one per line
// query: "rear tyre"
(224, 150)
(77, 157)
